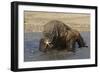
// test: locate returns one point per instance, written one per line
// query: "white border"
(22, 64)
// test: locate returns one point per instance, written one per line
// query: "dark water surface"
(32, 53)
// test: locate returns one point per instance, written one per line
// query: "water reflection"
(32, 53)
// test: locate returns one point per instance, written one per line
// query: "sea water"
(32, 53)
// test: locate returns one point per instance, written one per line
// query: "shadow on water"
(31, 52)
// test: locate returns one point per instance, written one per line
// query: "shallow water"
(32, 53)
